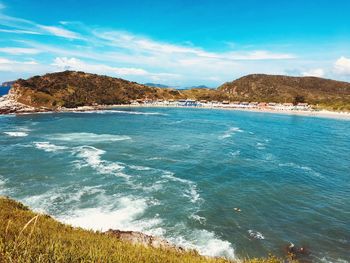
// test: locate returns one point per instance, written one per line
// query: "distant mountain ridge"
(7, 84)
(73, 89)
(157, 85)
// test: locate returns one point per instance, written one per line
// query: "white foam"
(206, 243)
(89, 137)
(16, 134)
(230, 132)
(91, 157)
(2, 185)
(48, 147)
(305, 168)
(124, 217)
(235, 153)
(260, 146)
(140, 168)
(255, 234)
(202, 220)
(190, 192)
(122, 112)
(59, 196)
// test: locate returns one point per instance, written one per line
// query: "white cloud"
(19, 51)
(318, 72)
(342, 66)
(60, 32)
(7, 65)
(18, 31)
(145, 45)
(64, 63)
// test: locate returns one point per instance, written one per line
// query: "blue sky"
(179, 43)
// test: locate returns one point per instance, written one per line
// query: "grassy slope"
(29, 237)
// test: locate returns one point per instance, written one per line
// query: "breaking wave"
(17, 134)
(49, 147)
(122, 112)
(255, 234)
(89, 137)
(231, 131)
(91, 157)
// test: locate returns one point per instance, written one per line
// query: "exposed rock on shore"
(143, 239)
(9, 105)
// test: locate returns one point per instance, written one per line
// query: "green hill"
(273, 88)
(72, 89)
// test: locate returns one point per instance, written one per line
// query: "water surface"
(179, 174)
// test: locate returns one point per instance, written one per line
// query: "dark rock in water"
(143, 239)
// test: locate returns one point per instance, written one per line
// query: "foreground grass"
(26, 236)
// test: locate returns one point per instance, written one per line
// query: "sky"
(179, 43)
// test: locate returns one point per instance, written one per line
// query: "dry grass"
(29, 237)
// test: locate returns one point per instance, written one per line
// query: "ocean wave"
(301, 167)
(51, 201)
(202, 220)
(49, 147)
(206, 243)
(140, 168)
(190, 192)
(88, 137)
(2, 185)
(91, 157)
(122, 112)
(17, 134)
(260, 146)
(126, 216)
(235, 153)
(231, 131)
(255, 234)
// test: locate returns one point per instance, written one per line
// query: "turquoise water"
(179, 173)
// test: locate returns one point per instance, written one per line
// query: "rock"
(9, 105)
(143, 239)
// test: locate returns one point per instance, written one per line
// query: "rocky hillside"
(72, 89)
(274, 88)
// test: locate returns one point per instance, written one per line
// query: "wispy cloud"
(60, 32)
(64, 63)
(74, 45)
(22, 26)
(7, 65)
(19, 51)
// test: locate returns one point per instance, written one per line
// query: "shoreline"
(8, 106)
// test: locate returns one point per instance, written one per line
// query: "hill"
(274, 88)
(26, 236)
(72, 89)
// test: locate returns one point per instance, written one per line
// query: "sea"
(226, 183)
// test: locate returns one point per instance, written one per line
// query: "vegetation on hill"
(273, 88)
(26, 236)
(72, 89)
